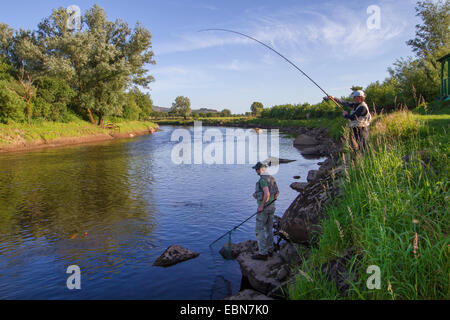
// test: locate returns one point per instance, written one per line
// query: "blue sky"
(329, 40)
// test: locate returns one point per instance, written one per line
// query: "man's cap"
(358, 93)
(259, 165)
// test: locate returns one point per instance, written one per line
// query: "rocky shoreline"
(298, 226)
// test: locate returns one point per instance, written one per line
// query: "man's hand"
(260, 209)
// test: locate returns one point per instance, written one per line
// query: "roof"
(444, 58)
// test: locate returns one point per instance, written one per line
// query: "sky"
(337, 43)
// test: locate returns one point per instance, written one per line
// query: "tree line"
(414, 80)
(56, 73)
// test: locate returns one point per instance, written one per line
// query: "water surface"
(112, 208)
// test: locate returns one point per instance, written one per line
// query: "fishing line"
(272, 49)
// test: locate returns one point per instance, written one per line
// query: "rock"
(313, 175)
(297, 177)
(272, 161)
(304, 140)
(282, 273)
(237, 249)
(248, 295)
(173, 255)
(260, 273)
(288, 252)
(299, 186)
(280, 291)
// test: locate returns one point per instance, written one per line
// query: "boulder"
(313, 175)
(231, 253)
(289, 253)
(261, 274)
(173, 255)
(283, 273)
(272, 161)
(299, 186)
(248, 295)
(304, 140)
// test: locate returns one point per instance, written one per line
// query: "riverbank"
(388, 209)
(23, 137)
(391, 212)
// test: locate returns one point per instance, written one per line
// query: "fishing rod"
(235, 228)
(272, 49)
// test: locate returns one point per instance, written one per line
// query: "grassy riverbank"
(45, 132)
(393, 214)
(334, 126)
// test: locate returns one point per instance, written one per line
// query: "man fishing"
(359, 117)
(266, 193)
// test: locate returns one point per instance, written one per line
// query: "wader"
(264, 219)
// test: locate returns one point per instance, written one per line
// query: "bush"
(302, 112)
(52, 99)
(12, 107)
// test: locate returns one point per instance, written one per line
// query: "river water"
(112, 208)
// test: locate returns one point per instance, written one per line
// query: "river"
(112, 208)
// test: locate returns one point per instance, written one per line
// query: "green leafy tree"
(100, 61)
(257, 108)
(145, 103)
(6, 40)
(356, 88)
(226, 113)
(52, 99)
(433, 33)
(181, 107)
(12, 106)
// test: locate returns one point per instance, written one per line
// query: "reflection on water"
(112, 208)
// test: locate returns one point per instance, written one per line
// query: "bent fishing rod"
(235, 228)
(272, 49)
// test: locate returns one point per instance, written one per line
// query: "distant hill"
(201, 110)
(160, 109)
(205, 110)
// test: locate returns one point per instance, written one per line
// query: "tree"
(100, 61)
(226, 113)
(356, 88)
(26, 91)
(181, 107)
(433, 33)
(6, 40)
(52, 99)
(11, 104)
(145, 103)
(257, 108)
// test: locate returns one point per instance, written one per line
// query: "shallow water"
(112, 208)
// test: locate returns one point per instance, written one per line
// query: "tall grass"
(393, 213)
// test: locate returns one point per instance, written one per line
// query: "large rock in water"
(173, 255)
(304, 140)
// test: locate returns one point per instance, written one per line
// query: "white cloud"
(342, 32)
